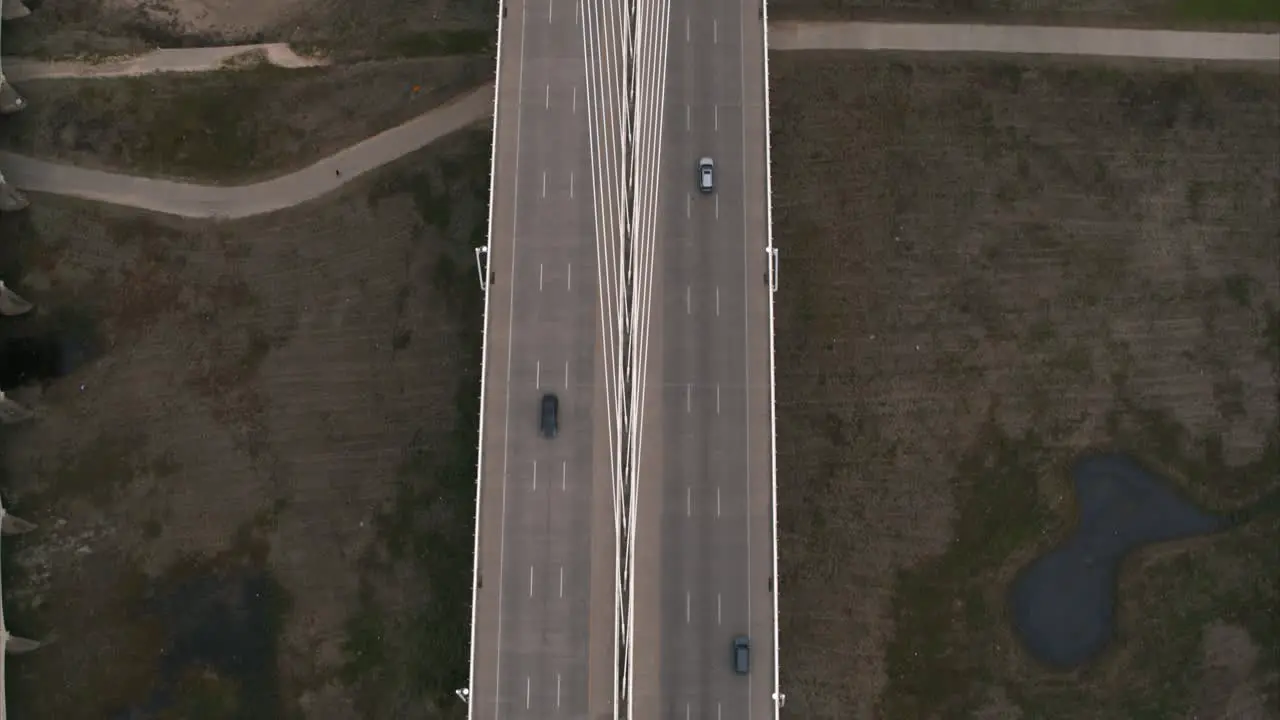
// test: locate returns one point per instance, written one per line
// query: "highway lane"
(544, 637)
(707, 439)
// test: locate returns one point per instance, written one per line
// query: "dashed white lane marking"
(561, 583)
(535, 474)
(564, 473)
(544, 183)
(537, 376)
(539, 277)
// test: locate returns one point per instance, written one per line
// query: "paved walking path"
(183, 60)
(206, 201)
(1026, 39)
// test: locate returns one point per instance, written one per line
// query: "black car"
(550, 416)
(742, 655)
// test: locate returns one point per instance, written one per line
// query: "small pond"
(219, 658)
(39, 358)
(1063, 603)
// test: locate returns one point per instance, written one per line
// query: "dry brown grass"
(369, 28)
(1003, 265)
(226, 493)
(230, 126)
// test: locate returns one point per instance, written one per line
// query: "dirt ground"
(1190, 14)
(255, 484)
(65, 28)
(995, 267)
(230, 126)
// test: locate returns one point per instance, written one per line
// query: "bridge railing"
(772, 260)
(486, 273)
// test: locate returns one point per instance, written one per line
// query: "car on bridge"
(742, 654)
(706, 175)
(549, 422)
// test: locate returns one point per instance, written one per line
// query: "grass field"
(257, 499)
(1003, 266)
(1227, 14)
(230, 126)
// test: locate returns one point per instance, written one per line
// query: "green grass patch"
(414, 44)
(364, 648)
(211, 134)
(435, 43)
(948, 611)
(1229, 10)
(430, 526)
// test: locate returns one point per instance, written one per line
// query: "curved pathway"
(1025, 39)
(183, 60)
(208, 201)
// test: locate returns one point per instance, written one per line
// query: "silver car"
(706, 175)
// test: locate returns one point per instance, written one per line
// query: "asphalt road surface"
(544, 630)
(706, 512)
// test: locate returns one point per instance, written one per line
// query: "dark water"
(1063, 603)
(224, 623)
(38, 359)
(40, 347)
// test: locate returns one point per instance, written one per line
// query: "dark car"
(742, 654)
(550, 422)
